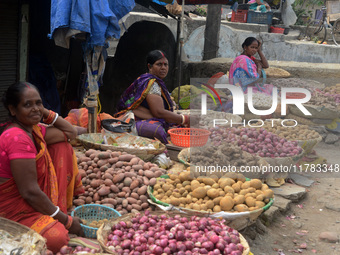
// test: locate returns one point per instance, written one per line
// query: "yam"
(118, 178)
(78, 202)
(95, 183)
(134, 161)
(96, 197)
(137, 167)
(134, 184)
(146, 181)
(121, 194)
(88, 200)
(143, 198)
(115, 154)
(144, 205)
(152, 181)
(127, 190)
(142, 190)
(137, 207)
(127, 181)
(113, 160)
(102, 162)
(108, 182)
(89, 152)
(108, 176)
(114, 188)
(149, 174)
(109, 201)
(126, 157)
(103, 191)
(132, 200)
(103, 155)
(85, 159)
(119, 164)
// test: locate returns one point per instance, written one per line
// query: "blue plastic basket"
(93, 212)
(260, 17)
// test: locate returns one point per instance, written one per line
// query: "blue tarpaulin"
(98, 18)
(163, 2)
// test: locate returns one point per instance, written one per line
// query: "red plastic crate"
(239, 16)
(277, 30)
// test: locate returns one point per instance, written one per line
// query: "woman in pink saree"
(246, 70)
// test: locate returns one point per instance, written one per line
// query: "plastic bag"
(288, 15)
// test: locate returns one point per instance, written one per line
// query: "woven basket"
(317, 112)
(17, 229)
(94, 212)
(237, 221)
(284, 161)
(105, 229)
(184, 156)
(308, 145)
(92, 141)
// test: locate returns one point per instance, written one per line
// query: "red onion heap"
(257, 142)
(153, 234)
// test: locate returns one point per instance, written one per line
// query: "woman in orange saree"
(38, 168)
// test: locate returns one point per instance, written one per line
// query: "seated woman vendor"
(246, 69)
(150, 100)
(259, 5)
(38, 168)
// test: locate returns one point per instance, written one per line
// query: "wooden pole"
(92, 104)
(180, 40)
(212, 31)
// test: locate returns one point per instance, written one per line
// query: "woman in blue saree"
(150, 101)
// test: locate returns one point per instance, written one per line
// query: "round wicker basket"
(105, 229)
(93, 141)
(16, 229)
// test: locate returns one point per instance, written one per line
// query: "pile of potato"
(115, 179)
(231, 193)
(299, 132)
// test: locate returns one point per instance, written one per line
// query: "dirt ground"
(300, 226)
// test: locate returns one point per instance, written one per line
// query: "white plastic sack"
(288, 15)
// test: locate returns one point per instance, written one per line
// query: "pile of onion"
(77, 250)
(161, 234)
(257, 142)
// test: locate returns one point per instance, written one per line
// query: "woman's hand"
(76, 228)
(263, 61)
(260, 45)
(157, 110)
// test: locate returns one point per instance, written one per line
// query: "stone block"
(290, 191)
(282, 203)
